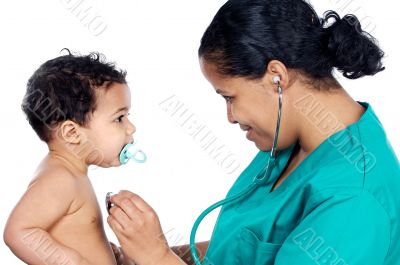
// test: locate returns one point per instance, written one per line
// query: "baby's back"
(59, 219)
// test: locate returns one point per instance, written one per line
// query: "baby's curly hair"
(64, 89)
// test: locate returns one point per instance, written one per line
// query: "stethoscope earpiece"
(276, 79)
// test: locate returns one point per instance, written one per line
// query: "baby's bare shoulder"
(57, 176)
(50, 196)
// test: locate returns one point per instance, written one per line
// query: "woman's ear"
(69, 132)
(277, 70)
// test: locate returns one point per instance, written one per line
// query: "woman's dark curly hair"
(245, 35)
(64, 89)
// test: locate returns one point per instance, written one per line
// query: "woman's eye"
(228, 99)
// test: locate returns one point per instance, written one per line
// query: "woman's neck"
(320, 114)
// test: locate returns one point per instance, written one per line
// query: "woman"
(331, 193)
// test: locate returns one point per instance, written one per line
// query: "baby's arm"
(46, 201)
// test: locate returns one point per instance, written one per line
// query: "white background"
(156, 42)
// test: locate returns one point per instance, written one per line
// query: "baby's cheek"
(114, 155)
(97, 156)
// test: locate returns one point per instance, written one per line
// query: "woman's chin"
(263, 145)
(259, 145)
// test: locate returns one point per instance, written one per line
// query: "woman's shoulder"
(336, 183)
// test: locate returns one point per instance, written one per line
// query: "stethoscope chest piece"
(109, 204)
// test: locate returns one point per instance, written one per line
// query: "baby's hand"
(119, 256)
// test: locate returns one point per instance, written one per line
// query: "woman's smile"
(247, 129)
(248, 134)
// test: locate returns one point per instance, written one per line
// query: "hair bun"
(352, 51)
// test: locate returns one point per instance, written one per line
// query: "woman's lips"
(247, 129)
(248, 134)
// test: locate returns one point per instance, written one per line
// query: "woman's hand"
(138, 229)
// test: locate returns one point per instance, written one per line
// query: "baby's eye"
(120, 118)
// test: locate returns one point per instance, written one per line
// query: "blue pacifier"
(130, 151)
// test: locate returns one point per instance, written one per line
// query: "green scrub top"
(340, 206)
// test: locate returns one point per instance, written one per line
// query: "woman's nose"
(231, 119)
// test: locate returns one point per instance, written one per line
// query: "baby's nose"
(131, 128)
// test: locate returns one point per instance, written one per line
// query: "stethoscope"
(257, 181)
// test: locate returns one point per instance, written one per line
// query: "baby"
(77, 105)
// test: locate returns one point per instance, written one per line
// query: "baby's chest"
(89, 215)
(84, 216)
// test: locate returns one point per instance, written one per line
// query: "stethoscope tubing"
(257, 181)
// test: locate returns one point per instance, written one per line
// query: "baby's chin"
(116, 163)
(108, 164)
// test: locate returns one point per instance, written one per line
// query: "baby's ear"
(69, 132)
